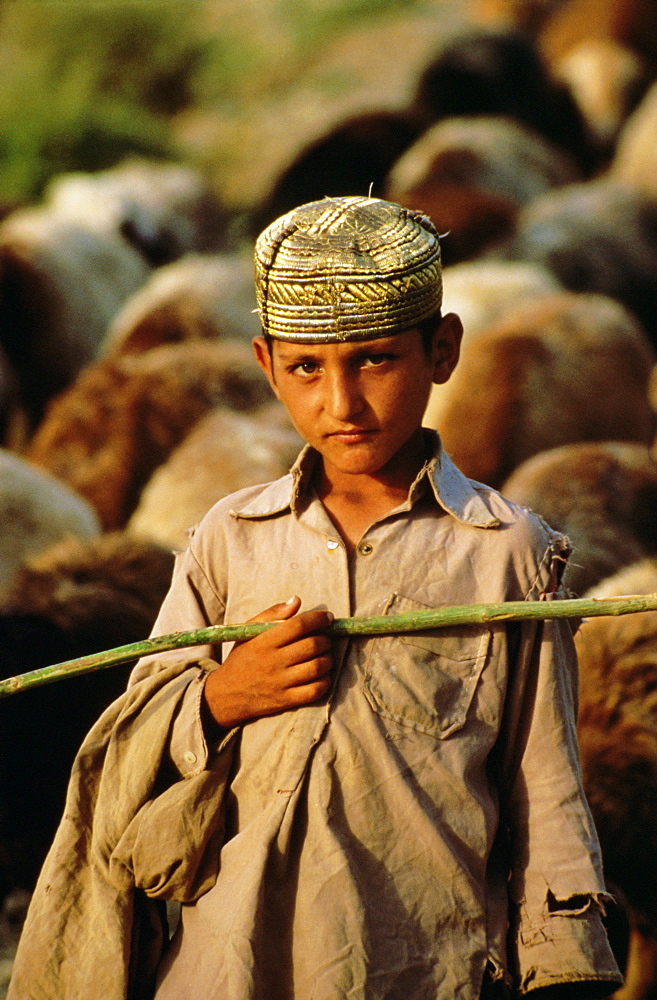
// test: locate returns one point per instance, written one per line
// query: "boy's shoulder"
(538, 552)
(252, 502)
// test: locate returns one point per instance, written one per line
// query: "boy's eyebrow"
(296, 353)
(303, 352)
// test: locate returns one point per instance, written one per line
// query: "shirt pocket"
(425, 680)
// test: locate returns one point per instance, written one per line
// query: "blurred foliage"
(87, 82)
(84, 84)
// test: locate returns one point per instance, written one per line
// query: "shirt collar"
(453, 491)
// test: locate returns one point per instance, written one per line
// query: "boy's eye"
(373, 360)
(305, 367)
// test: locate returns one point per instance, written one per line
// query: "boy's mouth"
(353, 436)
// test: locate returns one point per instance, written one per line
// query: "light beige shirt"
(378, 844)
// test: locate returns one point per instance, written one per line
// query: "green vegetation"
(87, 82)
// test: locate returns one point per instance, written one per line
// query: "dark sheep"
(74, 599)
(596, 237)
(353, 158)
(500, 71)
(123, 416)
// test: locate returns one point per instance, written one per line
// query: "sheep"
(200, 295)
(483, 291)
(629, 22)
(471, 175)
(224, 452)
(352, 158)
(607, 80)
(562, 369)
(122, 417)
(164, 210)
(75, 598)
(500, 71)
(598, 236)
(619, 760)
(604, 501)
(617, 729)
(61, 282)
(36, 510)
(635, 160)
(68, 265)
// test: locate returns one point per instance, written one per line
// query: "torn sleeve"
(557, 890)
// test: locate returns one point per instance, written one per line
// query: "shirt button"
(189, 757)
(332, 544)
(365, 548)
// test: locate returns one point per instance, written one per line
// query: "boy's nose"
(344, 398)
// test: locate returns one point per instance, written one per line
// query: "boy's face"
(359, 403)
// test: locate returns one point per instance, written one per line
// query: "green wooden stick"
(417, 621)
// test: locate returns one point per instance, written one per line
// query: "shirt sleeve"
(557, 888)
(190, 603)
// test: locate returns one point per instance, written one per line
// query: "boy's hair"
(345, 269)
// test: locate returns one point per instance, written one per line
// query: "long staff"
(466, 614)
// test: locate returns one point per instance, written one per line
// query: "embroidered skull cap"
(347, 268)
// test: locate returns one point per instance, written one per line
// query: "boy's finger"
(307, 673)
(279, 612)
(302, 625)
(308, 647)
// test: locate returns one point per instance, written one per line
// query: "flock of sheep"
(130, 402)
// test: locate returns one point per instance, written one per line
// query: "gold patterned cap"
(347, 269)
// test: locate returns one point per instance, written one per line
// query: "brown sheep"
(123, 416)
(471, 175)
(637, 578)
(198, 296)
(603, 495)
(225, 452)
(77, 598)
(635, 160)
(607, 80)
(482, 293)
(619, 761)
(563, 369)
(629, 22)
(618, 740)
(36, 510)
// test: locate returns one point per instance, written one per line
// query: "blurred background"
(143, 145)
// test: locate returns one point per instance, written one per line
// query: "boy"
(398, 817)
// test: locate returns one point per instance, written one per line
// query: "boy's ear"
(446, 347)
(265, 359)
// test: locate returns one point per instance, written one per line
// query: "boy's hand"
(286, 666)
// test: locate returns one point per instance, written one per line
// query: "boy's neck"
(356, 501)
